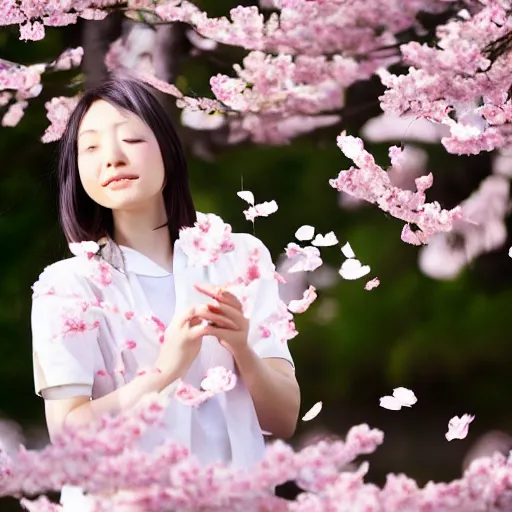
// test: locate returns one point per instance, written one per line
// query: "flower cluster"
(206, 240)
(370, 182)
(463, 81)
(117, 475)
(21, 83)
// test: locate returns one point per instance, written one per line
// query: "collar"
(126, 259)
(140, 264)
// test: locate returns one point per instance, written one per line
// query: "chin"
(130, 202)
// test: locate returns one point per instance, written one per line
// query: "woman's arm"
(82, 410)
(264, 361)
(181, 346)
(274, 391)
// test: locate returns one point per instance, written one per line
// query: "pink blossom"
(308, 258)
(373, 283)
(218, 379)
(190, 395)
(5, 97)
(93, 14)
(14, 113)
(484, 230)
(33, 31)
(89, 249)
(370, 182)
(204, 242)
(253, 269)
(70, 58)
(458, 427)
(59, 110)
(299, 306)
(280, 324)
(261, 210)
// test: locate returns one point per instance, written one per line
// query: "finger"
(221, 295)
(218, 332)
(220, 320)
(188, 316)
(198, 330)
(235, 315)
(194, 321)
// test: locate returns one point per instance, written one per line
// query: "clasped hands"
(225, 317)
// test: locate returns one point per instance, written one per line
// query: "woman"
(102, 321)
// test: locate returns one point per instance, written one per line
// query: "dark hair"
(81, 218)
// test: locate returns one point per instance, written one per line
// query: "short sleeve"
(271, 324)
(64, 332)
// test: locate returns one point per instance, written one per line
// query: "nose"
(113, 155)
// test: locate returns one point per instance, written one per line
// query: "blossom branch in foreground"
(105, 460)
(370, 182)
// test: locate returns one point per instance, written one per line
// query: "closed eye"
(133, 141)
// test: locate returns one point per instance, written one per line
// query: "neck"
(136, 229)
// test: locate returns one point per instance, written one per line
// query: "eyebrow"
(91, 130)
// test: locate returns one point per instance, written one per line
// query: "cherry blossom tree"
(301, 58)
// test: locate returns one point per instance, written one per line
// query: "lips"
(119, 177)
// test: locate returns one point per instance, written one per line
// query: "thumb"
(188, 316)
(197, 330)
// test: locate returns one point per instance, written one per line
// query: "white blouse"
(98, 322)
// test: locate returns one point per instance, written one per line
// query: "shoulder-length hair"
(81, 218)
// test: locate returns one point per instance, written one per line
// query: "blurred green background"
(447, 341)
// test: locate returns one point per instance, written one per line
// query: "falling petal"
(313, 412)
(247, 196)
(458, 427)
(347, 251)
(390, 403)
(218, 379)
(352, 269)
(261, 210)
(327, 240)
(305, 232)
(301, 305)
(373, 283)
(510, 252)
(405, 396)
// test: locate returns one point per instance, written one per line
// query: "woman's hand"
(182, 342)
(226, 319)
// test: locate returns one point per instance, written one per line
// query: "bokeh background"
(448, 340)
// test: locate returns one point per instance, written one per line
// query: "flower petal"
(247, 196)
(327, 240)
(405, 396)
(458, 427)
(347, 251)
(352, 269)
(313, 412)
(390, 403)
(305, 232)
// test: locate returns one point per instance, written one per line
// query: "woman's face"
(119, 160)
